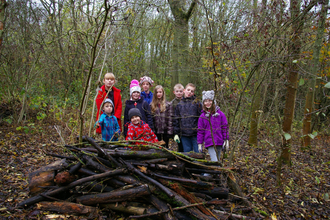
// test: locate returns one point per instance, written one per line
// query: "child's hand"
(200, 148)
(176, 138)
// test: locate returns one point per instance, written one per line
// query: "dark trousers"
(164, 137)
(180, 147)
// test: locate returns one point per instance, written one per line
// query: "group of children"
(149, 117)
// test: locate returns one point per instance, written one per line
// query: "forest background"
(268, 62)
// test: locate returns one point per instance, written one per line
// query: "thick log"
(149, 154)
(190, 197)
(227, 215)
(158, 160)
(102, 152)
(75, 168)
(136, 171)
(216, 192)
(178, 200)
(134, 210)
(175, 167)
(68, 208)
(40, 198)
(44, 176)
(161, 206)
(191, 182)
(64, 178)
(127, 179)
(86, 172)
(115, 196)
(91, 163)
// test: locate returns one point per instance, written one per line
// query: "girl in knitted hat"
(146, 82)
(162, 115)
(212, 127)
(136, 101)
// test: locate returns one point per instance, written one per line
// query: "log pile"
(138, 182)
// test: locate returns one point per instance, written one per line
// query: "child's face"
(135, 120)
(159, 93)
(108, 82)
(189, 91)
(208, 103)
(107, 108)
(135, 96)
(145, 86)
(178, 93)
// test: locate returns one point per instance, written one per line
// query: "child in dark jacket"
(162, 115)
(136, 101)
(178, 92)
(187, 113)
(108, 122)
(138, 129)
(212, 127)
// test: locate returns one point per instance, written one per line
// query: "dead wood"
(73, 169)
(136, 171)
(194, 183)
(68, 208)
(168, 210)
(91, 163)
(188, 196)
(102, 152)
(233, 215)
(44, 176)
(162, 206)
(178, 200)
(64, 178)
(134, 210)
(39, 198)
(114, 196)
(96, 187)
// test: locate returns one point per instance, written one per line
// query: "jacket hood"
(217, 108)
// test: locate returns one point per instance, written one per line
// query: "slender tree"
(309, 106)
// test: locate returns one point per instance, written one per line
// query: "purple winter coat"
(219, 128)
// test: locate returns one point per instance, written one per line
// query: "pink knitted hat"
(134, 87)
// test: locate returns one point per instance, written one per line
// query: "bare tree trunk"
(309, 106)
(290, 99)
(180, 48)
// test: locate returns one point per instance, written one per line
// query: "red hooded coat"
(117, 102)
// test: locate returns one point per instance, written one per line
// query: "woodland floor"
(304, 193)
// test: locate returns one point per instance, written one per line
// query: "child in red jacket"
(109, 91)
(138, 129)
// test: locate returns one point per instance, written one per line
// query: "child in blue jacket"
(108, 122)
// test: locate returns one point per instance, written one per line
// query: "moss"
(261, 212)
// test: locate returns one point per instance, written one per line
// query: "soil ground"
(303, 193)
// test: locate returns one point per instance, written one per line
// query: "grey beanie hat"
(134, 112)
(109, 101)
(208, 95)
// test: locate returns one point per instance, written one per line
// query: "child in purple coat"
(212, 127)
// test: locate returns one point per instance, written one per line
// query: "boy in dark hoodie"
(187, 113)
